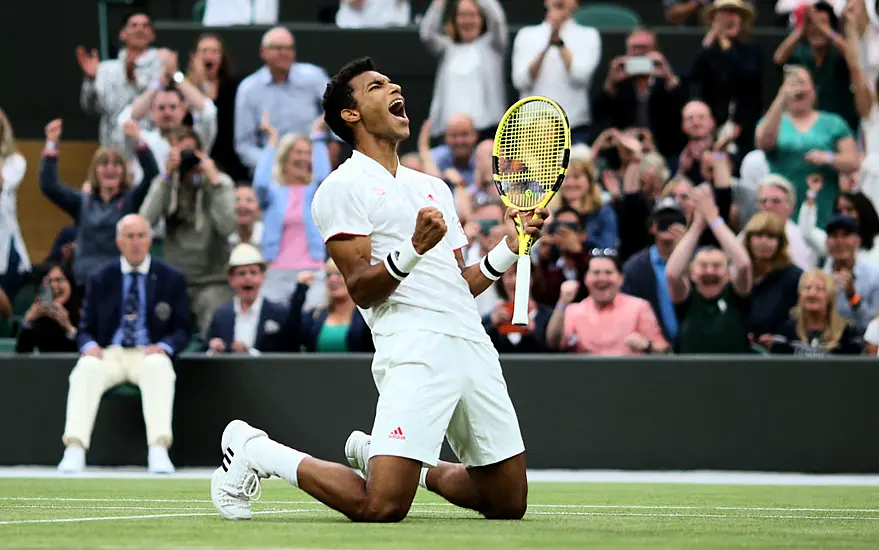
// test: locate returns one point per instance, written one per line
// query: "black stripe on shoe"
(229, 450)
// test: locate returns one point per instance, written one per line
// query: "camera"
(189, 161)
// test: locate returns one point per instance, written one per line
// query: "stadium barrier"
(662, 413)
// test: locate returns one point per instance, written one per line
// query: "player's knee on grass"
(509, 509)
(383, 511)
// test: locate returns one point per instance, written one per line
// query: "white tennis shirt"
(362, 198)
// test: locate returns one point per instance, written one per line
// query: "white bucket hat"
(245, 254)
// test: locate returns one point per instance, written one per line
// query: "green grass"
(568, 515)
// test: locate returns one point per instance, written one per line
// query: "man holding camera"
(563, 254)
(198, 204)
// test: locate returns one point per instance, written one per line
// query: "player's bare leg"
(497, 491)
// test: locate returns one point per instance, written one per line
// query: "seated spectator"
(651, 98)
(290, 92)
(510, 338)
(285, 181)
(458, 150)
(608, 322)
(249, 226)
(774, 291)
(854, 205)
(210, 70)
(50, 323)
(816, 329)
(14, 261)
(197, 202)
(775, 194)
(335, 327)
(64, 248)
(857, 281)
(816, 45)
(582, 192)
(470, 79)
(363, 14)
(249, 324)
(644, 273)
(712, 304)
(135, 321)
(728, 72)
(801, 143)
(563, 254)
(558, 58)
(110, 196)
(111, 85)
(226, 13)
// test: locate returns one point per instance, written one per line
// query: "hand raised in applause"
(430, 228)
(568, 291)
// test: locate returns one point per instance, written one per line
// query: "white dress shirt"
(247, 323)
(255, 235)
(12, 170)
(373, 14)
(223, 13)
(570, 88)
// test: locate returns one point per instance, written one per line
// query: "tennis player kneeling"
(394, 235)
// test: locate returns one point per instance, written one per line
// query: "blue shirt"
(293, 106)
(444, 160)
(666, 308)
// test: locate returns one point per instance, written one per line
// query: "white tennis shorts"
(433, 385)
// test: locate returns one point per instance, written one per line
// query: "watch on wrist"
(179, 77)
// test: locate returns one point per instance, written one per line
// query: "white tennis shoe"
(357, 452)
(235, 484)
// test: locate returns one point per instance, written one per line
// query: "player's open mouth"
(398, 109)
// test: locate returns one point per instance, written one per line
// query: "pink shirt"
(589, 329)
(293, 252)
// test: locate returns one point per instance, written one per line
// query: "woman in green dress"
(802, 143)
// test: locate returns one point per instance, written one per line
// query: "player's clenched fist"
(430, 228)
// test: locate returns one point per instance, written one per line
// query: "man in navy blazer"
(250, 323)
(135, 320)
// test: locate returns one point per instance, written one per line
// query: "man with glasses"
(288, 90)
(775, 194)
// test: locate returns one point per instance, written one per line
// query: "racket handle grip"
(523, 291)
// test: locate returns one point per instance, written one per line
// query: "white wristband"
(402, 260)
(53, 145)
(498, 261)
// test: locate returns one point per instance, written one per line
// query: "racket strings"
(530, 155)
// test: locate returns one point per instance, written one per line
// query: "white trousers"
(91, 377)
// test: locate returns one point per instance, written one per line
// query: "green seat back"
(24, 299)
(123, 390)
(198, 11)
(607, 16)
(7, 345)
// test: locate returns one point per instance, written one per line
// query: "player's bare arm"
(370, 285)
(480, 276)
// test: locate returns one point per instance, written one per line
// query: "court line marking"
(145, 516)
(429, 504)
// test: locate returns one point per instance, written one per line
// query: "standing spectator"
(728, 72)
(853, 205)
(225, 13)
(289, 91)
(210, 70)
(249, 227)
(698, 126)
(802, 144)
(816, 45)
(197, 202)
(248, 324)
(109, 86)
(510, 338)
(286, 178)
(458, 152)
(775, 277)
(110, 195)
(557, 58)
(135, 321)
(50, 323)
(651, 98)
(14, 260)
(816, 329)
(362, 14)
(582, 193)
(563, 254)
(644, 274)
(775, 194)
(471, 49)
(712, 306)
(856, 280)
(608, 322)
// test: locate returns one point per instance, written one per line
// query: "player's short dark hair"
(339, 96)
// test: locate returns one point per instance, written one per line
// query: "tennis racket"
(532, 147)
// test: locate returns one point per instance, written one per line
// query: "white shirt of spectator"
(569, 88)
(12, 171)
(362, 198)
(223, 13)
(373, 14)
(871, 336)
(247, 323)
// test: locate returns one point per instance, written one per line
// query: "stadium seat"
(123, 390)
(607, 16)
(198, 11)
(158, 250)
(24, 300)
(7, 345)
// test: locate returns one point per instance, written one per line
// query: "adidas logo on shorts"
(397, 434)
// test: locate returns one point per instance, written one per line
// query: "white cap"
(245, 254)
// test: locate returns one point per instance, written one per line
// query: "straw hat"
(744, 8)
(245, 254)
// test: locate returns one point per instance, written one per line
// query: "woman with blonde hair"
(110, 197)
(581, 192)
(471, 47)
(815, 328)
(14, 261)
(776, 279)
(285, 180)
